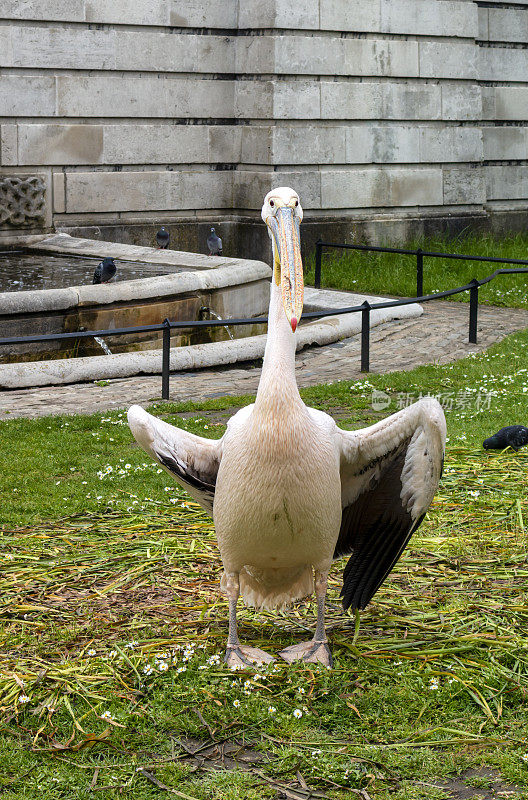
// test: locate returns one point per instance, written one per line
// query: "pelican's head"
(282, 213)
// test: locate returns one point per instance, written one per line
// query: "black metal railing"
(365, 308)
(166, 326)
(419, 254)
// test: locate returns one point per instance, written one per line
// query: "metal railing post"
(473, 311)
(419, 273)
(318, 258)
(165, 360)
(365, 337)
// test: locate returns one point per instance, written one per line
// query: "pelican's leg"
(317, 649)
(238, 655)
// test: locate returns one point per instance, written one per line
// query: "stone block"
(8, 145)
(488, 102)
(202, 13)
(506, 182)
(448, 60)
(504, 143)
(508, 25)
(147, 190)
(200, 189)
(257, 144)
(381, 144)
(303, 14)
(255, 54)
(61, 48)
(250, 186)
(342, 15)
(254, 99)
(379, 101)
(27, 96)
(47, 10)
(464, 187)
(296, 100)
(143, 96)
(59, 189)
(511, 102)
(483, 24)
(502, 64)
(140, 12)
(60, 144)
(309, 144)
(155, 144)
(450, 144)
(225, 143)
(429, 18)
(307, 183)
(118, 191)
(164, 52)
(371, 188)
(462, 102)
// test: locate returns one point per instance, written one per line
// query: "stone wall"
(398, 116)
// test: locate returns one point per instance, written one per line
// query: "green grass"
(385, 273)
(108, 573)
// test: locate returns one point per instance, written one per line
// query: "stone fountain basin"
(231, 287)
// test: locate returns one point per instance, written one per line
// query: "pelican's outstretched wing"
(389, 476)
(192, 460)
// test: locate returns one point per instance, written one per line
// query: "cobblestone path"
(439, 336)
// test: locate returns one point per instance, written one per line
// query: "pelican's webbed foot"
(238, 656)
(311, 652)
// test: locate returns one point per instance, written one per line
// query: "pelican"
(288, 490)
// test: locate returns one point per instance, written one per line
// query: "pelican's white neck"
(278, 386)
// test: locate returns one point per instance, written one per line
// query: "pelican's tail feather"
(274, 588)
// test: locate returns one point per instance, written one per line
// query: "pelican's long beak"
(284, 227)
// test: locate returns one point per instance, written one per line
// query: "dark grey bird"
(163, 238)
(105, 271)
(214, 243)
(514, 436)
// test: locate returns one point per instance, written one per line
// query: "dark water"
(21, 272)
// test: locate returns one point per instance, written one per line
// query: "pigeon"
(214, 243)
(105, 271)
(163, 238)
(515, 436)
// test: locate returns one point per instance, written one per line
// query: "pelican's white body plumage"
(290, 491)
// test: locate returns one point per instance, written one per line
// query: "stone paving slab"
(439, 336)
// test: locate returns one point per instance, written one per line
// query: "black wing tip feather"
(360, 584)
(186, 475)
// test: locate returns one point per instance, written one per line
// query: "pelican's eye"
(271, 203)
(296, 203)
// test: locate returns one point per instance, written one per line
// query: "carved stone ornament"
(22, 200)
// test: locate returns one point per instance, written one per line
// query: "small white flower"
(129, 466)
(23, 698)
(148, 670)
(213, 660)
(297, 713)
(316, 752)
(9, 557)
(112, 654)
(163, 666)
(106, 715)
(236, 703)
(272, 710)
(181, 669)
(524, 757)
(131, 645)
(90, 653)
(301, 690)
(434, 683)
